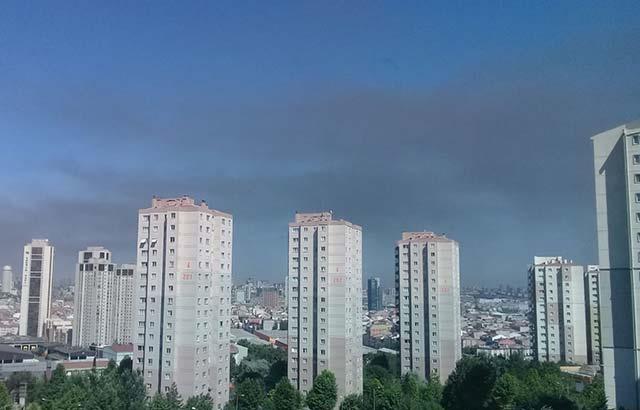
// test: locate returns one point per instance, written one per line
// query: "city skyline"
(258, 116)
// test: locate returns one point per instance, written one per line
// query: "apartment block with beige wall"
(558, 310)
(183, 298)
(324, 301)
(428, 297)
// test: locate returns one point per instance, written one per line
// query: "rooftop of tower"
(181, 203)
(424, 236)
(315, 218)
(631, 127)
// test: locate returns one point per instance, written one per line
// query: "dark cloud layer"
(498, 158)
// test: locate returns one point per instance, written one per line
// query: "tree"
(200, 402)
(593, 397)
(5, 397)
(285, 397)
(352, 402)
(250, 394)
(505, 392)
(277, 371)
(470, 384)
(324, 393)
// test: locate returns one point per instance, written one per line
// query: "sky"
(466, 118)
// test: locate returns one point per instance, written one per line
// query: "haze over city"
(397, 119)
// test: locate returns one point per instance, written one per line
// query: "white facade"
(37, 277)
(7, 279)
(324, 306)
(558, 311)
(183, 298)
(428, 296)
(617, 182)
(592, 300)
(102, 300)
(124, 291)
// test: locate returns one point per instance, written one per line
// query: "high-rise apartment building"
(37, 277)
(7, 279)
(617, 181)
(103, 299)
(428, 296)
(592, 300)
(183, 298)
(558, 314)
(374, 294)
(325, 301)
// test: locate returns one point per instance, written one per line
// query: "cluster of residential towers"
(174, 304)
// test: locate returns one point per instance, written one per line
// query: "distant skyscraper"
(37, 277)
(428, 295)
(374, 294)
(325, 301)
(7, 279)
(592, 300)
(103, 299)
(558, 310)
(183, 301)
(617, 174)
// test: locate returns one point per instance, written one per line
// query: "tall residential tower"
(592, 301)
(183, 298)
(103, 299)
(428, 296)
(558, 313)
(37, 277)
(617, 181)
(325, 301)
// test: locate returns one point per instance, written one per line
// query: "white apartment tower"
(617, 182)
(325, 301)
(428, 296)
(592, 300)
(103, 299)
(183, 298)
(37, 277)
(124, 291)
(558, 314)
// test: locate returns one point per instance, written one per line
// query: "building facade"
(592, 300)
(428, 296)
(558, 313)
(617, 182)
(7, 279)
(37, 277)
(324, 306)
(183, 298)
(374, 294)
(103, 299)
(124, 295)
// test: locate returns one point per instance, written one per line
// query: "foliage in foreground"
(116, 387)
(517, 384)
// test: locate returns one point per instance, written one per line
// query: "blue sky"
(469, 118)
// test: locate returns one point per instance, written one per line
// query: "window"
(636, 178)
(635, 139)
(636, 159)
